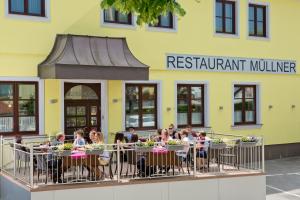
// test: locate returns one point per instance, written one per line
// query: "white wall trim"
(237, 22)
(159, 100)
(206, 100)
(103, 101)
(258, 104)
(41, 91)
(30, 18)
(268, 26)
(115, 25)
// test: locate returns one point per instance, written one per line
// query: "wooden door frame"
(96, 88)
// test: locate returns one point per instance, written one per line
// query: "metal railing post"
(31, 165)
(2, 149)
(195, 158)
(118, 161)
(14, 154)
(263, 154)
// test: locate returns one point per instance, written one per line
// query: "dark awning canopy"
(89, 57)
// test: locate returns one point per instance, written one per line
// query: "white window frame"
(103, 103)
(237, 21)
(163, 29)
(116, 25)
(206, 101)
(30, 18)
(267, 4)
(41, 94)
(159, 101)
(258, 106)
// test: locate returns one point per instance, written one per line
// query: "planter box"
(93, 151)
(175, 147)
(143, 149)
(248, 144)
(218, 146)
(63, 153)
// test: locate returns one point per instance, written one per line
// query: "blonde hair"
(99, 137)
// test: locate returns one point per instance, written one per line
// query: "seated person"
(54, 162)
(79, 141)
(202, 148)
(172, 131)
(191, 134)
(92, 136)
(165, 137)
(98, 138)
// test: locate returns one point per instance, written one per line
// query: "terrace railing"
(36, 165)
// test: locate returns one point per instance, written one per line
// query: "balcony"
(227, 160)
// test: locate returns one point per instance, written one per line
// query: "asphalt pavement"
(283, 179)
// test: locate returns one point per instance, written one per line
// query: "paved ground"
(283, 179)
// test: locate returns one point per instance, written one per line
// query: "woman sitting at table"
(99, 138)
(165, 137)
(79, 141)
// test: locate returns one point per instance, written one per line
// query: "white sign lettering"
(229, 64)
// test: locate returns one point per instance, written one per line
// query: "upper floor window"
(225, 17)
(141, 106)
(111, 15)
(244, 104)
(27, 7)
(18, 107)
(257, 20)
(190, 105)
(165, 21)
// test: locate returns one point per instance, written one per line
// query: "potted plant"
(217, 143)
(64, 149)
(144, 146)
(94, 149)
(174, 145)
(249, 141)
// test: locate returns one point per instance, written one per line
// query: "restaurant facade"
(227, 66)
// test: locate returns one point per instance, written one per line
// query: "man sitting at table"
(54, 163)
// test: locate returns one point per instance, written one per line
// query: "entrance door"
(82, 107)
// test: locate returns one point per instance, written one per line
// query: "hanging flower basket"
(176, 147)
(143, 149)
(217, 146)
(248, 141)
(93, 151)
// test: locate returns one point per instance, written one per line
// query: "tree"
(147, 11)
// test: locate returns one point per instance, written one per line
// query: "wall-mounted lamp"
(293, 106)
(270, 107)
(169, 109)
(115, 100)
(53, 101)
(221, 107)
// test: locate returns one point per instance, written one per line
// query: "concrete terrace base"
(250, 187)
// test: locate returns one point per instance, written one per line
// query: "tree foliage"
(147, 11)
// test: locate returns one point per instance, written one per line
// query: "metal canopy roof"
(89, 57)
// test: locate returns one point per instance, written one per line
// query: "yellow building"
(229, 66)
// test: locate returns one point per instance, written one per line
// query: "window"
(27, 7)
(111, 15)
(225, 17)
(165, 21)
(18, 107)
(141, 106)
(257, 20)
(244, 104)
(190, 105)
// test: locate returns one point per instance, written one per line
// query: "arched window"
(81, 92)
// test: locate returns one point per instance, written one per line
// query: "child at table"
(79, 141)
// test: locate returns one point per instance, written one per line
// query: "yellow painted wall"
(25, 43)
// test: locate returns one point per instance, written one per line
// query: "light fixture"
(293, 106)
(221, 107)
(169, 109)
(270, 107)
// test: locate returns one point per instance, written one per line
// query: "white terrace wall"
(238, 188)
